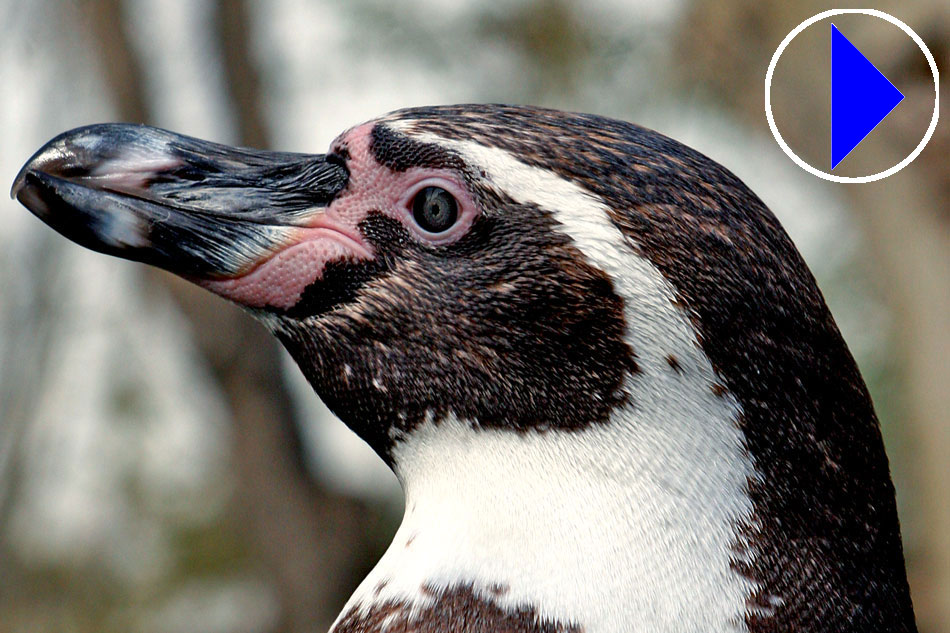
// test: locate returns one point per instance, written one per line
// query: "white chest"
(598, 529)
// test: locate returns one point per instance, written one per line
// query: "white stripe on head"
(630, 525)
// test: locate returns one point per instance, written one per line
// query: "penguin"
(604, 376)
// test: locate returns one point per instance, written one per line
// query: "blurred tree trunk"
(311, 541)
(906, 219)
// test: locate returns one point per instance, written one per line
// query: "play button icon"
(861, 96)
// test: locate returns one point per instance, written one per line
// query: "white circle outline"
(826, 175)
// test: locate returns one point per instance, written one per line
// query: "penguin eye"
(435, 210)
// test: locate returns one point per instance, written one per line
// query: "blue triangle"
(861, 96)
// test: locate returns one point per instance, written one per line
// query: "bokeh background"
(162, 466)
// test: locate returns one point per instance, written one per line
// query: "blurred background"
(163, 468)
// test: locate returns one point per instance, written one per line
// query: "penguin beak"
(205, 211)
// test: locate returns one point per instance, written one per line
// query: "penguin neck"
(631, 525)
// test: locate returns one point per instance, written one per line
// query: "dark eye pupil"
(435, 209)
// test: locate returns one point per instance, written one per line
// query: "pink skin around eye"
(375, 187)
(333, 234)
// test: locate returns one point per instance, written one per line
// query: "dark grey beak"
(195, 208)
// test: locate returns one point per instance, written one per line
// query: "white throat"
(632, 525)
(619, 528)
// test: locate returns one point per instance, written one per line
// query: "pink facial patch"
(280, 280)
(377, 188)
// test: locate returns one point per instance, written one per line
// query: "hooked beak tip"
(17, 184)
(19, 189)
(52, 159)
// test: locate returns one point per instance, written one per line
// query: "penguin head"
(405, 272)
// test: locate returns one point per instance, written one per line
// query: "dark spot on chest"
(457, 609)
